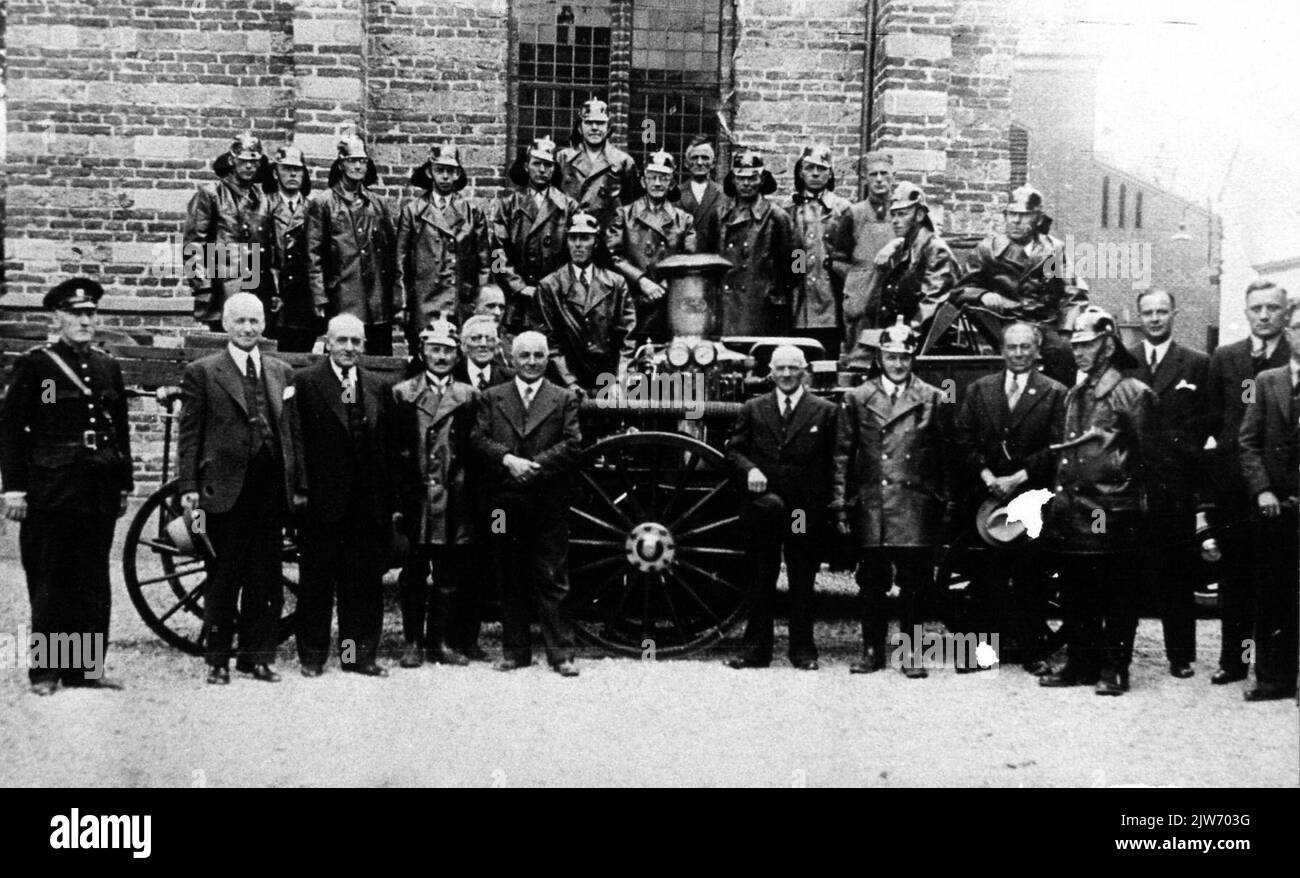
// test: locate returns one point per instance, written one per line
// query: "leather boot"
(436, 647)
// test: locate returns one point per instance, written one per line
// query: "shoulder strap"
(67, 370)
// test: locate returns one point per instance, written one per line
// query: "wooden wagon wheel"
(166, 585)
(656, 560)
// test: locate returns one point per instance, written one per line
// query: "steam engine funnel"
(693, 281)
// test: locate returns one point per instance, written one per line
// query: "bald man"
(234, 453)
(528, 439)
(782, 451)
(344, 492)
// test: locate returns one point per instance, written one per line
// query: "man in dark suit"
(343, 489)
(701, 197)
(480, 367)
(1270, 463)
(1178, 376)
(65, 455)
(782, 447)
(1233, 368)
(1005, 426)
(234, 457)
(527, 435)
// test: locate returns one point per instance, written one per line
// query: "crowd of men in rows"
(561, 270)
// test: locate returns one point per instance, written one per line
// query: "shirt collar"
(1021, 379)
(1269, 346)
(698, 189)
(793, 397)
(476, 371)
(434, 381)
(890, 386)
(521, 385)
(1160, 349)
(338, 371)
(241, 357)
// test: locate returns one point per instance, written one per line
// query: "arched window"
(1137, 210)
(1123, 197)
(1105, 202)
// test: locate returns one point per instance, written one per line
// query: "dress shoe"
(1267, 693)
(864, 666)
(100, 683)
(1038, 668)
(369, 669)
(972, 669)
(1067, 676)
(745, 661)
(412, 656)
(915, 673)
(44, 687)
(510, 664)
(442, 654)
(475, 653)
(565, 668)
(1181, 671)
(1112, 683)
(1222, 677)
(804, 664)
(312, 670)
(219, 676)
(259, 672)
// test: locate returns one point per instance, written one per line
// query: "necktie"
(528, 396)
(1154, 361)
(1013, 393)
(482, 380)
(255, 401)
(1259, 359)
(789, 409)
(893, 395)
(537, 199)
(250, 368)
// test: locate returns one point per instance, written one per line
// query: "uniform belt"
(91, 439)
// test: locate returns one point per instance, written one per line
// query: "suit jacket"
(352, 255)
(239, 224)
(547, 433)
(989, 435)
(42, 448)
(818, 290)
(600, 186)
(755, 297)
(292, 286)
(441, 260)
(796, 459)
(893, 469)
(1270, 438)
(638, 239)
(1181, 385)
(328, 471)
(213, 449)
(704, 212)
(1230, 370)
(530, 240)
(588, 333)
(434, 437)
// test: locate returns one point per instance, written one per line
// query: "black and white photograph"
(501, 394)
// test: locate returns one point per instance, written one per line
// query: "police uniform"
(65, 444)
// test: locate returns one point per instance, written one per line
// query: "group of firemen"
(512, 311)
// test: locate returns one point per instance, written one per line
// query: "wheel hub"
(650, 547)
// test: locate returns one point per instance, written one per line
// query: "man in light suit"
(1270, 463)
(1005, 426)
(340, 415)
(235, 456)
(1178, 376)
(782, 447)
(528, 438)
(1233, 368)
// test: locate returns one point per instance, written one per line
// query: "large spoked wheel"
(656, 559)
(166, 585)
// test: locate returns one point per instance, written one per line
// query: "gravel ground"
(627, 722)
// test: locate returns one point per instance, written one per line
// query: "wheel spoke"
(186, 601)
(655, 468)
(717, 623)
(711, 550)
(645, 609)
(160, 546)
(699, 504)
(712, 577)
(604, 544)
(596, 565)
(693, 462)
(722, 522)
(587, 516)
(628, 490)
(192, 567)
(672, 608)
(600, 492)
